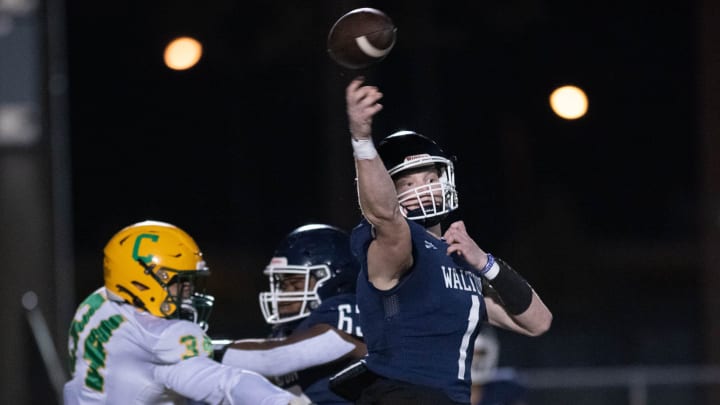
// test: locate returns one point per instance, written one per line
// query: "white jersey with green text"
(120, 354)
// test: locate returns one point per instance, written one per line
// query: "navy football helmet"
(408, 150)
(310, 264)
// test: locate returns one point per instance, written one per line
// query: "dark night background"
(235, 149)
(602, 215)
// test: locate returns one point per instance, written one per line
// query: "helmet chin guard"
(197, 309)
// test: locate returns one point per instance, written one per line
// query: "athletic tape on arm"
(364, 149)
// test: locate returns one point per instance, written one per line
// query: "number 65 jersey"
(116, 348)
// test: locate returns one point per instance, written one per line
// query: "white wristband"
(364, 149)
(492, 272)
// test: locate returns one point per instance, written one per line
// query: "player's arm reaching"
(184, 366)
(320, 344)
(203, 379)
(519, 308)
(390, 253)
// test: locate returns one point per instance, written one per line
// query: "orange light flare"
(182, 53)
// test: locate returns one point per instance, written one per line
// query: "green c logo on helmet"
(136, 248)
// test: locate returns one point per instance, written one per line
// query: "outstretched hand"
(462, 245)
(362, 105)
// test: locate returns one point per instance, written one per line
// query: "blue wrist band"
(488, 265)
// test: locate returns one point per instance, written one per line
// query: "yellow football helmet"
(156, 266)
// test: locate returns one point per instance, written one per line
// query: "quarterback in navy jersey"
(311, 306)
(420, 291)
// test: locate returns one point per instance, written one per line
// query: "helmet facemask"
(428, 204)
(185, 298)
(302, 283)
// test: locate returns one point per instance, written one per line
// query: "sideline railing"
(638, 380)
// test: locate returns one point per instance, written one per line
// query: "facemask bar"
(442, 194)
(188, 303)
(270, 301)
(431, 200)
(197, 309)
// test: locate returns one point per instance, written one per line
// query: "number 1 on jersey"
(473, 319)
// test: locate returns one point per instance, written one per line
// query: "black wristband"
(515, 293)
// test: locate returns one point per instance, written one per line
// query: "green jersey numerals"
(92, 302)
(94, 342)
(95, 350)
(191, 346)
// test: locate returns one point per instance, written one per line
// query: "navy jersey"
(422, 330)
(340, 312)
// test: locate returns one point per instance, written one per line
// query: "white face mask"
(442, 193)
(308, 278)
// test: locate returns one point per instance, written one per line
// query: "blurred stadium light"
(569, 102)
(183, 53)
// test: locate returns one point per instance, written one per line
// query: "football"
(361, 38)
